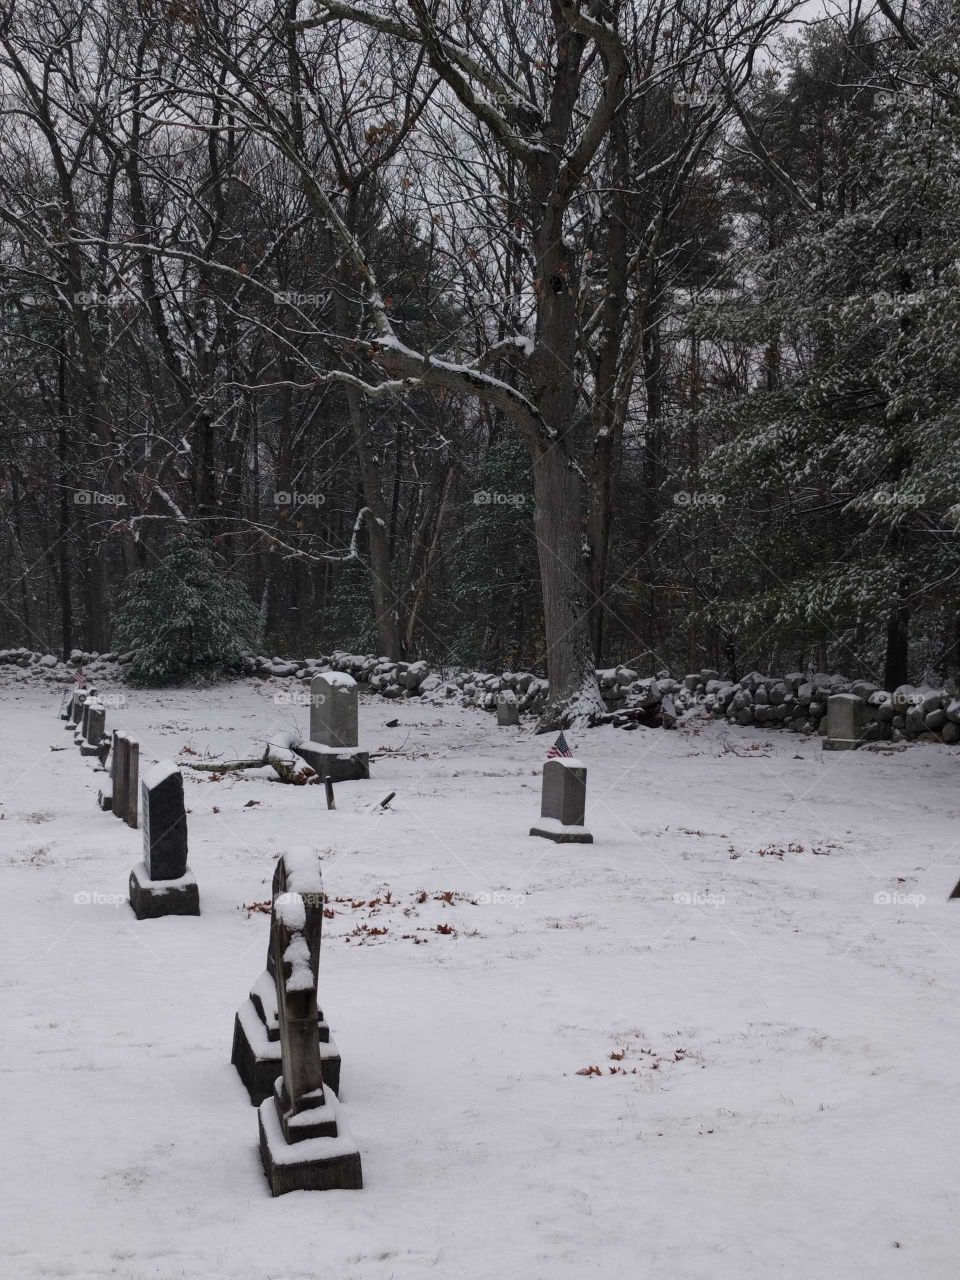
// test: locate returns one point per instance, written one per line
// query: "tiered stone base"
(257, 1057)
(313, 1164)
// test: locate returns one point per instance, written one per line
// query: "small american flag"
(79, 678)
(560, 748)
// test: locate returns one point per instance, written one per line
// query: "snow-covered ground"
(776, 1052)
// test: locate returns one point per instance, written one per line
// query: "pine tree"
(184, 619)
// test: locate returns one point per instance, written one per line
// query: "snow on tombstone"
(333, 750)
(163, 884)
(563, 799)
(256, 1028)
(305, 1144)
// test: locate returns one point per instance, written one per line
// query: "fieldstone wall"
(796, 702)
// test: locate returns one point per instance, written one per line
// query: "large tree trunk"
(896, 666)
(558, 516)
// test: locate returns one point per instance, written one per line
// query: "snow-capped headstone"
(563, 802)
(95, 722)
(305, 1144)
(163, 884)
(256, 1027)
(332, 751)
(847, 718)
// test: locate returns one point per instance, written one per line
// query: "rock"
(864, 689)
(902, 697)
(936, 718)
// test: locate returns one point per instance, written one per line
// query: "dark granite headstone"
(564, 794)
(164, 822)
(563, 803)
(132, 774)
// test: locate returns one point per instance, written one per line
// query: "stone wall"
(796, 702)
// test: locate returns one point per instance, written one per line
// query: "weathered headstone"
(118, 776)
(94, 722)
(256, 1027)
(563, 802)
(163, 884)
(305, 1144)
(508, 710)
(132, 775)
(76, 706)
(105, 798)
(847, 719)
(333, 750)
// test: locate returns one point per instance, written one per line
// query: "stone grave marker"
(256, 1027)
(305, 1144)
(118, 774)
(132, 776)
(847, 720)
(563, 801)
(163, 884)
(333, 750)
(105, 797)
(95, 723)
(508, 710)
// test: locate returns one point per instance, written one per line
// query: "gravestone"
(847, 720)
(76, 708)
(118, 776)
(256, 1027)
(305, 1144)
(563, 801)
(95, 722)
(132, 775)
(105, 797)
(163, 884)
(508, 710)
(333, 751)
(125, 782)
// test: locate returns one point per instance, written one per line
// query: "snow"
(158, 773)
(290, 910)
(343, 1144)
(784, 1104)
(338, 679)
(297, 956)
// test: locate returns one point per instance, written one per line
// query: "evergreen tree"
(184, 619)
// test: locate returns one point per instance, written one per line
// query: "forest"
(550, 335)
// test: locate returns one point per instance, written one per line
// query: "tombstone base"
(105, 797)
(551, 829)
(86, 749)
(152, 898)
(339, 764)
(315, 1164)
(257, 1057)
(842, 744)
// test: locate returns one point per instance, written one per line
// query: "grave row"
(282, 1047)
